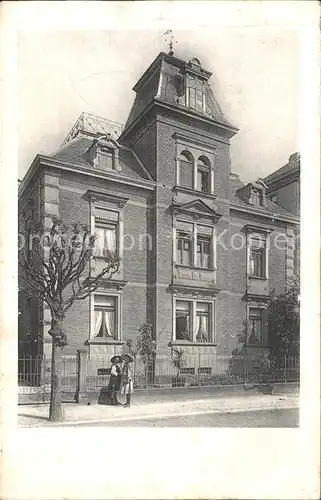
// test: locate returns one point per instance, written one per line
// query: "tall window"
(202, 322)
(258, 256)
(194, 245)
(105, 316)
(183, 320)
(195, 93)
(184, 248)
(194, 321)
(203, 252)
(256, 325)
(107, 232)
(203, 176)
(186, 169)
(194, 174)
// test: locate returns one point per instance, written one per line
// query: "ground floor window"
(194, 321)
(183, 320)
(105, 317)
(256, 325)
(202, 322)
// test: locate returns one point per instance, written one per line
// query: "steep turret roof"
(165, 81)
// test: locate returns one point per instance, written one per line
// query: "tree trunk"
(55, 410)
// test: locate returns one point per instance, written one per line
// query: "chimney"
(294, 158)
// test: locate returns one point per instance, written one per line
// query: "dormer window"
(104, 153)
(253, 193)
(105, 160)
(195, 93)
(256, 197)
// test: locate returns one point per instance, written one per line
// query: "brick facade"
(151, 208)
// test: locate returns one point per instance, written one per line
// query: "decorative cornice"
(196, 214)
(191, 113)
(192, 290)
(46, 161)
(112, 284)
(229, 129)
(251, 297)
(118, 200)
(184, 138)
(272, 217)
(252, 228)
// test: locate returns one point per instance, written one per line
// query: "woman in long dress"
(115, 379)
(126, 379)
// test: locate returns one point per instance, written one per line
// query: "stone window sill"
(260, 278)
(105, 258)
(104, 341)
(192, 344)
(195, 192)
(195, 268)
(260, 345)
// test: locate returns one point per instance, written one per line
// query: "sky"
(255, 80)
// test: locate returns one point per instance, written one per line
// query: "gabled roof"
(269, 208)
(75, 151)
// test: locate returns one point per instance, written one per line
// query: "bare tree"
(56, 267)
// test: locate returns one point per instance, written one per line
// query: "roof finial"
(170, 39)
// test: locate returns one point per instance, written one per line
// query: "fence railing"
(81, 373)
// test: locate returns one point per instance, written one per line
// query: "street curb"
(159, 416)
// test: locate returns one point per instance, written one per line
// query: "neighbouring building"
(283, 185)
(200, 251)
(283, 188)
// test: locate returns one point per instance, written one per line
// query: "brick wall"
(289, 197)
(137, 260)
(30, 208)
(144, 146)
(148, 270)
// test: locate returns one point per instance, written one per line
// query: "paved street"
(185, 409)
(261, 418)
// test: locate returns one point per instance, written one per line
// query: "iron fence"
(34, 378)
(198, 370)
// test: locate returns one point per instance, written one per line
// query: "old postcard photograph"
(167, 280)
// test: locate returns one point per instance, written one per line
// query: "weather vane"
(170, 38)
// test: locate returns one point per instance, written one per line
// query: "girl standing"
(115, 379)
(127, 380)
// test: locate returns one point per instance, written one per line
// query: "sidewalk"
(187, 402)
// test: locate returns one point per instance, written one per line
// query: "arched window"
(186, 169)
(203, 178)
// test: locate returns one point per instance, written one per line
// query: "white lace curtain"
(104, 324)
(105, 241)
(202, 328)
